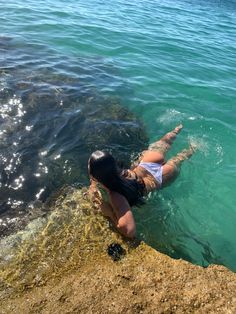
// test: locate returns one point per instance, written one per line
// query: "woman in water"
(119, 189)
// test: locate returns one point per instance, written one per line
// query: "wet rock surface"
(61, 264)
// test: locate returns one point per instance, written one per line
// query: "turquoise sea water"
(168, 62)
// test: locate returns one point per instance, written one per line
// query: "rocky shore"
(80, 277)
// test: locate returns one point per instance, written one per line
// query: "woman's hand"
(94, 195)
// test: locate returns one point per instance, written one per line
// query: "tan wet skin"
(118, 209)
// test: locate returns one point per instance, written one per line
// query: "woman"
(123, 189)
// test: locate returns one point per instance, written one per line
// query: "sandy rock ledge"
(145, 281)
(84, 279)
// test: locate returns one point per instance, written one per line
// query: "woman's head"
(103, 168)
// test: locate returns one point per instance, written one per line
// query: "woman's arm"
(107, 211)
(122, 224)
(124, 219)
(118, 210)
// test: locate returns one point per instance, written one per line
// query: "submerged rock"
(52, 118)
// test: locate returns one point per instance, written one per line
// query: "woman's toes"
(178, 128)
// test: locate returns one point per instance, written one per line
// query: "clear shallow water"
(167, 62)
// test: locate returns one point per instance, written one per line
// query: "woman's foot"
(178, 128)
(193, 147)
(187, 153)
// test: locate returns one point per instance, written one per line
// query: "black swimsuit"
(140, 185)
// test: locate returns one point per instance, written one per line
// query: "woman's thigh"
(169, 173)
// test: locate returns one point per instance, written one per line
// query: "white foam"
(200, 144)
(220, 153)
(173, 115)
(170, 116)
(205, 146)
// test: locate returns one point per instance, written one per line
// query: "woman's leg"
(157, 150)
(171, 169)
(166, 141)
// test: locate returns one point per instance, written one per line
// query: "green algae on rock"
(78, 278)
(52, 245)
(61, 262)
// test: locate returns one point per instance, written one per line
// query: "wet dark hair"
(103, 167)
